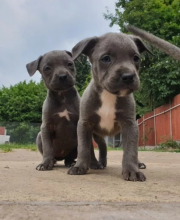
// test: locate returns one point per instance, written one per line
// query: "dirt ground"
(101, 194)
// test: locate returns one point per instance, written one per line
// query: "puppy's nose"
(128, 77)
(62, 77)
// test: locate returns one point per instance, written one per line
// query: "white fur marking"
(107, 110)
(65, 114)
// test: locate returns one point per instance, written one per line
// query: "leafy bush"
(23, 132)
(22, 102)
(170, 144)
(83, 76)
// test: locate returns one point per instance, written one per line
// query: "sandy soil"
(101, 194)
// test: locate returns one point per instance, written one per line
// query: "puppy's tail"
(163, 45)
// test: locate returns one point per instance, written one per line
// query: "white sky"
(30, 28)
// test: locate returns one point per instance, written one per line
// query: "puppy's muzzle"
(63, 77)
(128, 78)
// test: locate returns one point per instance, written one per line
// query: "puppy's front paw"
(133, 176)
(78, 170)
(103, 161)
(96, 166)
(69, 163)
(47, 164)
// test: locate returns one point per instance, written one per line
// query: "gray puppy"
(58, 137)
(107, 106)
(165, 46)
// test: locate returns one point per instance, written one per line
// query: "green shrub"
(170, 144)
(23, 132)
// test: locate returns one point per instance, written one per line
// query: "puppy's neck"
(53, 94)
(59, 94)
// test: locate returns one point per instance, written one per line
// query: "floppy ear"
(69, 53)
(140, 45)
(33, 66)
(84, 47)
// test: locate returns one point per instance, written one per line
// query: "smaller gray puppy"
(58, 137)
(163, 45)
(107, 106)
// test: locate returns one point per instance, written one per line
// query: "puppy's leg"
(102, 149)
(130, 169)
(84, 132)
(47, 150)
(69, 161)
(39, 143)
(94, 163)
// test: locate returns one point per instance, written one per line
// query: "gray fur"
(163, 45)
(114, 79)
(57, 139)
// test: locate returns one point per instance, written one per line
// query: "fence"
(26, 133)
(19, 132)
(161, 124)
(114, 141)
(154, 127)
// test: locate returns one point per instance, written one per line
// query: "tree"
(21, 110)
(22, 102)
(160, 75)
(82, 72)
(87, 81)
(22, 132)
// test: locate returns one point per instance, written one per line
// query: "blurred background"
(30, 28)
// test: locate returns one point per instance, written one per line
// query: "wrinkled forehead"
(113, 43)
(56, 57)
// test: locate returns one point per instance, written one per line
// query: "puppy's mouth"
(62, 89)
(112, 92)
(59, 87)
(62, 86)
(115, 93)
(121, 92)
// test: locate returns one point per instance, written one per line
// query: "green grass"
(114, 149)
(9, 147)
(157, 149)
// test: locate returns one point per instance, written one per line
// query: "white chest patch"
(107, 110)
(65, 114)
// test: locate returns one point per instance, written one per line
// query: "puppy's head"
(115, 59)
(57, 69)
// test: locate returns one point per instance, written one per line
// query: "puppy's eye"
(136, 58)
(106, 59)
(70, 64)
(47, 68)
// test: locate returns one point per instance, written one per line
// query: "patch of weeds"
(9, 147)
(144, 149)
(6, 149)
(175, 147)
(34, 148)
(114, 148)
(170, 145)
